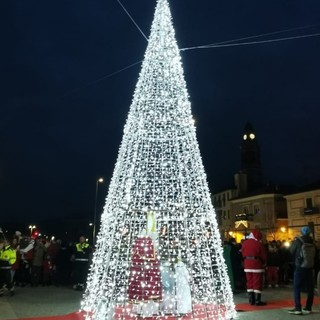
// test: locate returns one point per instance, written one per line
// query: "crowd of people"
(28, 261)
(278, 268)
(255, 264)
(252, 264)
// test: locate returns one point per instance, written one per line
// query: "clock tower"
(250, 158)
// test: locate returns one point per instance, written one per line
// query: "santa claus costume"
(255, 257)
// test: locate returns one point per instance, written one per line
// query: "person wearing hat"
(304, 251)
(255, 257)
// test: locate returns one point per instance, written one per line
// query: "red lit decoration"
(144, 278)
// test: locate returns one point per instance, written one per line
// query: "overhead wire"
(257, 36)
(100, 79)
(251, 42)
(115, 72)
(126, 11)
(228, 43)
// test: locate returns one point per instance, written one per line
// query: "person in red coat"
(255, 257)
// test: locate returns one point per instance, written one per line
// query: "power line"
(222, 44)
(100, 79)
(251, 42)
(125, 10)
(258, 36)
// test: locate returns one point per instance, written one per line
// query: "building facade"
(304, 209)
(266, 211)
(222, 204)
(250, 203)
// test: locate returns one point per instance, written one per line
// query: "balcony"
(244, 217)
(310, 210)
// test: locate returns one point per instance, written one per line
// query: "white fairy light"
(158, 249)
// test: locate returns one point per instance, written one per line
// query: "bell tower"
(250, 158)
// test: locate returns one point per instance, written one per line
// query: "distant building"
(222, 205)
(250, 203)
(304, 209)
(264, 209)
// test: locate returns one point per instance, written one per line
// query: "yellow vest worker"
(81, 257)
(8, 257)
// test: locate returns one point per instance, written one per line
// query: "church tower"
(250, 158)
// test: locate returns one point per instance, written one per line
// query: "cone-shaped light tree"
(159, 251)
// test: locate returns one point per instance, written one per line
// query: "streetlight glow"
(32, 227)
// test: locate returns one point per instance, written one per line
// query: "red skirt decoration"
(144, 277)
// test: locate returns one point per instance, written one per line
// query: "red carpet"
(279, 304)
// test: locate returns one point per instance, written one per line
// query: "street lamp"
(100, 180)
(31, 227)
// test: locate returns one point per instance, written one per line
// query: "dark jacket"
(274, 257)
(295, 248)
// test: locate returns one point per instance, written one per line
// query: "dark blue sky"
(55, 142)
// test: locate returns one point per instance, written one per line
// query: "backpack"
(307, 254)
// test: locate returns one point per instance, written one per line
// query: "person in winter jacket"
(23, 275)
(39, 251)
(15, 246)
(303, 251)
(273, 264)
(81, 257)
(255, 257)
(7, 259)
(64, 264)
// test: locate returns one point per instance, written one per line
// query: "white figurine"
(152, 231)
(183, 292)
(168, 304)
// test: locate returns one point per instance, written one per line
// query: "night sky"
(60, 128)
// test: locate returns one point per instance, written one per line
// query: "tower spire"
(159, 250)
(251, 158)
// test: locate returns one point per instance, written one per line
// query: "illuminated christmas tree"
(159, 252)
